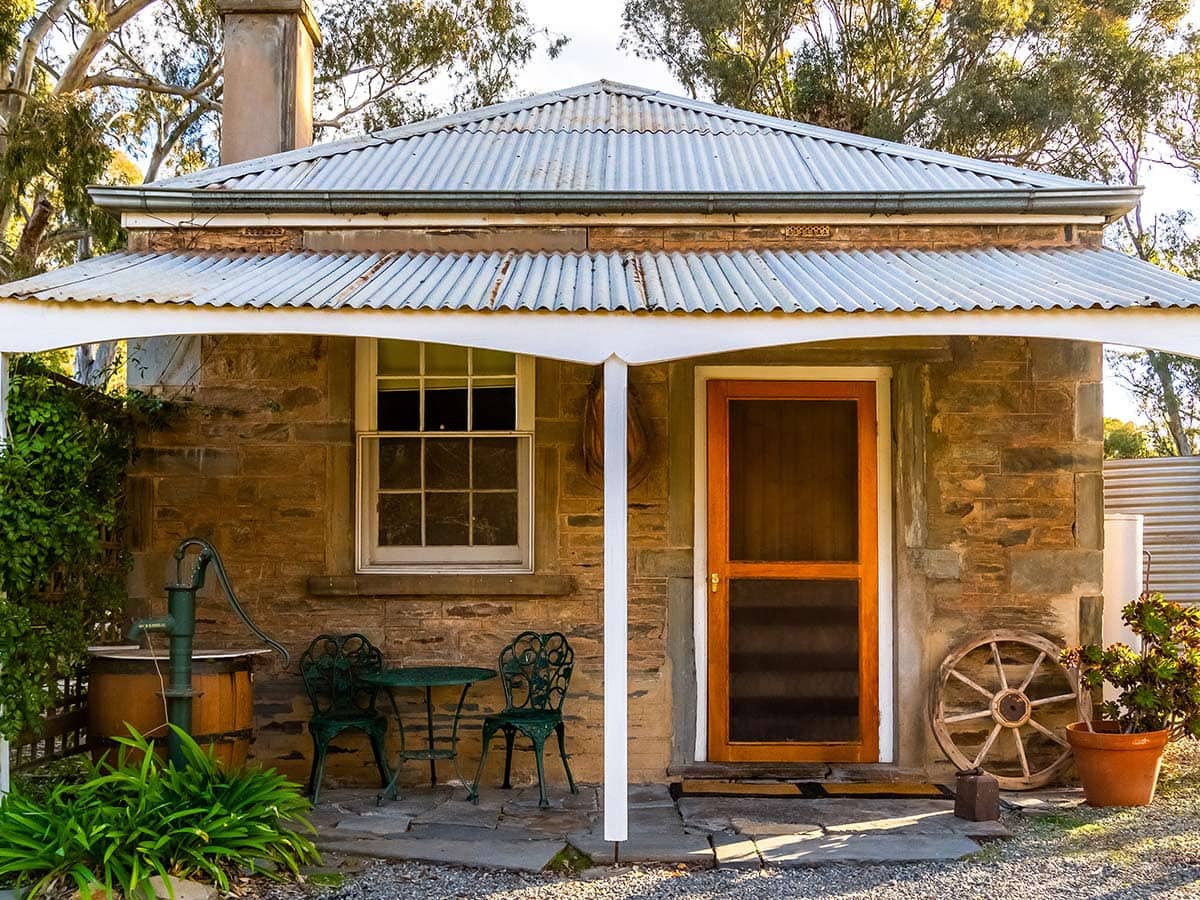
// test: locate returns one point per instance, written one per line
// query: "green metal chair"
(332, 668)
(536, 671)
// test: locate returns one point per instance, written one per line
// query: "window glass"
(448, 478)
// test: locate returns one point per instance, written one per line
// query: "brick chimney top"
(268, 96)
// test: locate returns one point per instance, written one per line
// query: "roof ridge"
(451, 121)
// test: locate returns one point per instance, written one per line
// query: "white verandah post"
(5, 775)
(616, 602)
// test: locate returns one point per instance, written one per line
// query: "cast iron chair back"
(536, 670)
(332, 667)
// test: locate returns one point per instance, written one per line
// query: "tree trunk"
(30, 244)
(1160, 363)
(94, 362)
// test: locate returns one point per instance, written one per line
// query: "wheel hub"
(1011, 708)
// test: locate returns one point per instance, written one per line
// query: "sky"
(594, 28)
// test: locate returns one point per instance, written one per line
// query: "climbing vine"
(61, 479)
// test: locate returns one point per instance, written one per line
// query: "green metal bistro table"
(428, 677)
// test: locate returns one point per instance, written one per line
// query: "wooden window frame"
(370, 556)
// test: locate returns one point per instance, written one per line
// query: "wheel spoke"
(971, 684)
(1038, 726)
(999, 667)
(1032, 671)
(1016, 732)
(987, 745)
(1057, 698)
(966, 717)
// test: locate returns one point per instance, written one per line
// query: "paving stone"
(485, 814)
(650, 796)
(783, 851)
(654, 818)
(735, 852)
(559, 822)
(521, 856)
(718, 813)
(559, 797)
(669, 847)
(473, 833)
(381, 826)
(412, 804)
(756, 827)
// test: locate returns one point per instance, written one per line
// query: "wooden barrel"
(125, 688)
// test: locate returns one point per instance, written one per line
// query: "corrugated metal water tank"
(1167, 492)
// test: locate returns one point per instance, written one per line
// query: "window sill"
(462, 584)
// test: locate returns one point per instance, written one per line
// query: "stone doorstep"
(486, 852)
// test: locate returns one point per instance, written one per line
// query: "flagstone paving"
(508, 830)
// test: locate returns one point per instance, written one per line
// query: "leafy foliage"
(87, 88)
(61, 478)
(1158, 688)
(141, 817)
(1124, 440)
(1047, 83)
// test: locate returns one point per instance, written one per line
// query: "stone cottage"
(765, 418)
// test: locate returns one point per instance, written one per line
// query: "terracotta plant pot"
(1117, 769)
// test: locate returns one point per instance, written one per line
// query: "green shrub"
(142, 817)
(1158, 687)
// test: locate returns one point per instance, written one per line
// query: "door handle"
(714, 579)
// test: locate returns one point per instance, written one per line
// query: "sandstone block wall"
(998, 518)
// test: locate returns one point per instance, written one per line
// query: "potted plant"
(1119, 752)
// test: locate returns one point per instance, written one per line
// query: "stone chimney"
(268, 98)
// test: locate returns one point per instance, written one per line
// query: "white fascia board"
(591, 338)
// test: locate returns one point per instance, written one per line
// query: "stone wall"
(998, 522)
(258, 458)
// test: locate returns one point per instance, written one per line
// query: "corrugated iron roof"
(611, 137)
(795, 281)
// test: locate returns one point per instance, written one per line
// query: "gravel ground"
(1140, 853)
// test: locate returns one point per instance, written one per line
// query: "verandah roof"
(586, 307)
(745, 281)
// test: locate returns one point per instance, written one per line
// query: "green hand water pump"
(179, 624)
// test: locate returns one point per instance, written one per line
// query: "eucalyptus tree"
(1026, 82)
(127, 90)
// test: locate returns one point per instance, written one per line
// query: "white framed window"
(445, 456)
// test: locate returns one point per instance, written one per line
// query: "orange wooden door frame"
(865, 571)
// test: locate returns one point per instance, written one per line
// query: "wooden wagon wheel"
(1006, 701)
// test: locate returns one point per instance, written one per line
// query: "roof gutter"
(1108, 201)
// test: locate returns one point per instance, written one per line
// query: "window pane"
(446, 404)
(793, 480)
(400, 520)
(447, 464)
(444, 359)
(400, 463)
(495, 523)
(495, 464)
(493, 362)
(793, 660)
(399, 405)
(495, 405)
(399, 358)
(447, 520)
